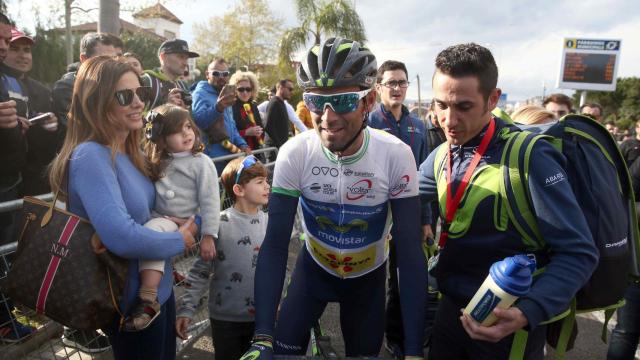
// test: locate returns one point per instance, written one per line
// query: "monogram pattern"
(79, 294)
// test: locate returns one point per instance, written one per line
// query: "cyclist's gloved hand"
(429, 247)
(261, 349)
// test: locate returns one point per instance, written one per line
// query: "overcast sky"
(524, 36)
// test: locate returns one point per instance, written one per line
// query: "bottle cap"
(514, 274)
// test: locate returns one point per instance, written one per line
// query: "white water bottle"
(508, 280)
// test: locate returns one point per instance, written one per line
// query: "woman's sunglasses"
(248, 162)
(341, 103)
(244, 89)
(125, 97)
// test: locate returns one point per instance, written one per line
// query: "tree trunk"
(109, 20)
(67, 31)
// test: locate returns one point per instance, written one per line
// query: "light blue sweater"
(117, 199)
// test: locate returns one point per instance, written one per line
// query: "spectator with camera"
(12, 157)
(165, 83)
(212, 112)
(13, 153)
(43, 135)
(92, 44)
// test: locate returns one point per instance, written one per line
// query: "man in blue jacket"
(209, 107)
(465, 92)
(393, 117)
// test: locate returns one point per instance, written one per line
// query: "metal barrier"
(46, 343)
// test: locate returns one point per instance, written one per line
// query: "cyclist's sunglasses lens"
(248, 162)
(125, 97)
(340, 103)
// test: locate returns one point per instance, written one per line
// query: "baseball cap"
(17, 35)
(176, 46)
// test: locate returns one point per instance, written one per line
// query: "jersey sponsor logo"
(315, 187)
(364, 174)
(353, 241)
(328, 189)
(324, 221)
(360, 189)
(553, 179)
(343, 264)
(320, 207)
(324, 170)
(401, 186)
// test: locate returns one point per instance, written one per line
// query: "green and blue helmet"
(336, 63)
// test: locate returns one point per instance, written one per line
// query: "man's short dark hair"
(116, 41)
(283, 82)
(470, 60)
(559, 98)
(4, 19)
(390, 65)
(90, 41)
(592, 105)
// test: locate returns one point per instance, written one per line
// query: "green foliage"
(144, 45)
(49, 56)
(621, 105)
(321, 19)
(243, 36)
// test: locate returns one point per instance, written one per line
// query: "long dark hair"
(90, 116)
(171, 120)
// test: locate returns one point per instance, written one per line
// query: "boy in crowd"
(242, 230)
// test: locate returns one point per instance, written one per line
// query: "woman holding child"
(108, 183)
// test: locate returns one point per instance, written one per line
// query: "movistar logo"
(324, 221)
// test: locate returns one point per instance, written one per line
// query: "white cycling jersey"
(345, 200)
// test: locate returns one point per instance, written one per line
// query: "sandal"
(143, 315)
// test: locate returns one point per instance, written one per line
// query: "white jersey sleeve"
(286, 175)
(403, 176)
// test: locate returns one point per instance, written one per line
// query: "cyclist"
(352, 184)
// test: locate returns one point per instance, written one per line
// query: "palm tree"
(321, 18)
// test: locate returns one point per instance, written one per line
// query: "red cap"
(17, 35)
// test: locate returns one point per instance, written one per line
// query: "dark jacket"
(41, 144)
(62, 92)
(13, 147)
(277, 122)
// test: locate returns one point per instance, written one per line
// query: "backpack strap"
(515, 187)
(154, 82)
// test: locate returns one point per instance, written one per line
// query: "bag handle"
(65, 183)
(113, 298)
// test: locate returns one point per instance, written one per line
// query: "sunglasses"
(217, 73)
(340, 103)
(125, 97)
(248, 162)
(244, 89)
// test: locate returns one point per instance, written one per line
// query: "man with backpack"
(478, 222)
(165, 81)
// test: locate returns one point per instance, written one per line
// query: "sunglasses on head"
(217, 73)
(244, 89)
(125, 96)
(341, 103)
(248, 162)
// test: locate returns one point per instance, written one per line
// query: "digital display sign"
(589, 64)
